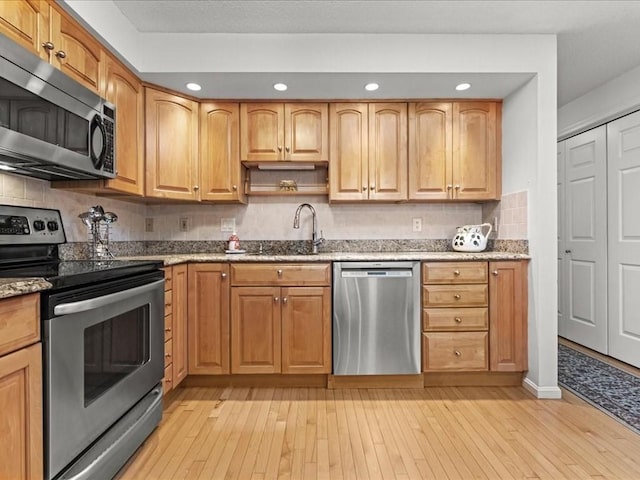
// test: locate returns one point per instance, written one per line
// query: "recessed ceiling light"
(194, 87)
(463, 86)
(281, 87)
(6, 168)
(371, 87)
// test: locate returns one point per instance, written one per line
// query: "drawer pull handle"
(284, 300)
(279, 273)
(495, 272)
(223, 275)
(458, 319)
(167, 330)
(456, 272)
(276, 299)
(48, 46)
(456, 296)
(457, 353)
(168, 355)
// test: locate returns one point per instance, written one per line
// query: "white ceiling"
(597, 40)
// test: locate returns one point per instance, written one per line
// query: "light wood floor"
(437, 433)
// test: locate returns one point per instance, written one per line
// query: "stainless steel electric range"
(102, 329)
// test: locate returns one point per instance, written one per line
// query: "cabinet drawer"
(168, 327)
(168, 278)
(168, 353)
(168, 302)
(454, 272)
(308, 274)
(455, 319)
(19, 322)
(455, 296)
(167, 381)
(455, 351)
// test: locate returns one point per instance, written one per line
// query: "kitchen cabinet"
(455, 300)
(368, 152)
(179, 313)
(221, 173)
(171, 137)
(274, 132)
(167, 380)
(54, 36)
(508, 316)
(21, 388)
(281, 323)
(208, 319)
(455, 151)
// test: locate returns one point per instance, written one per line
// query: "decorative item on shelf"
(288, 186)
(99, 223)
(234, 242)
(470, 238)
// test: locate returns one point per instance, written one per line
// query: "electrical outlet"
(148, 224)
(227, 224)
(184, 224)
(417, 224)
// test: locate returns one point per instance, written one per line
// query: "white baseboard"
(550, 393)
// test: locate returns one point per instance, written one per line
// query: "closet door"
(562, 263)
(585, 318)
(624, 238)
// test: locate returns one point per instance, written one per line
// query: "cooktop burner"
(29, 239)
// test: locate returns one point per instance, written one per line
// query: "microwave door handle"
(96, 123)
(94, 303)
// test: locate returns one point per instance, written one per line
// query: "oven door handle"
(112, 298)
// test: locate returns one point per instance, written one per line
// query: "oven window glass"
(29, 114)
(113, 349)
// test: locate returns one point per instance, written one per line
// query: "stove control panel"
(27, 225)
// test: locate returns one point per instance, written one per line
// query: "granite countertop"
(175, 259)
(10, 287)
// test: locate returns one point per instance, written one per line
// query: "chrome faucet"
(316, 242)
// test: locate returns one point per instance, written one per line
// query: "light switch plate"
(417, 224)
(227, 224)
(148, 224)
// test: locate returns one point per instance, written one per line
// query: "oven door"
(102, 355)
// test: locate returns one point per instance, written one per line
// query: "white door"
(562, 287)
(585, 190)
(624, 238)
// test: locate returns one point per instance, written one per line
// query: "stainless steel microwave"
(51, 127)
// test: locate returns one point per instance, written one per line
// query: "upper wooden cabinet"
(275, 132)
(55, 37)
(171, 135)
(455, 151)
(27, 23)
(368, 151)
(125, 91)
(221, 173)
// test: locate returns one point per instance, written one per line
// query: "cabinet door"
(221, 174)
(306, 132)
(26, 22)
(172, 146)
(208, 330)
(255, 330)
(76, 53)
(306, 330)
(476, 151)
(430, 151)
(388, 151)
(124, 90)
(508, 316)
(21, 414)
(179, 310)
(261, 132)
(349, 151)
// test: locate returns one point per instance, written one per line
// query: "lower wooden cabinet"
(175, 327)
(281, 329)
(21, 414)
(208, 324)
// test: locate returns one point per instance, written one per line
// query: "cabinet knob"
(495, 273)
(167, 330)
(373, 187)
(168, 355)
(196, 187)
(287, 149)
(234, 188)
(276, 299)
(223, 275)
(61, 54)
(284, 300)
(279, 149)
(48, 46)
(279, 273)
(456, 272)
(567, 251)
(167, 380)
(449, 187)
(456, 296)
(457, 187)
(457, 353)
(364, 188)
(458, 320)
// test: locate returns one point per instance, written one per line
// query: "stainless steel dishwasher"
(376, 318)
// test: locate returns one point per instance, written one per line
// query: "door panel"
(585, 282)
(562, 263)
(623, 137)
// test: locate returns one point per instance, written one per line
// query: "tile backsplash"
(269, 218)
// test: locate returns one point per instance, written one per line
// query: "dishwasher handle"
(376, 273)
